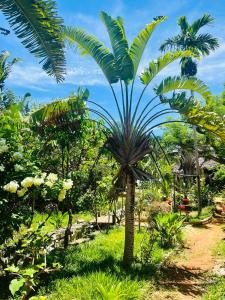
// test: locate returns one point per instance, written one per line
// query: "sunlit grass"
(94, 271)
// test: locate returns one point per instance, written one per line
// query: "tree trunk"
(68, 229)
(128, 255)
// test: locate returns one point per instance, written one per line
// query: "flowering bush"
(46, 182)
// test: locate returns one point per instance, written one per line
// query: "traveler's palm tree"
(189, 38)
(128, 138)
(36, 24)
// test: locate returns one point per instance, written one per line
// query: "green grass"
(94, 271)
(219, 250)
(216, 291)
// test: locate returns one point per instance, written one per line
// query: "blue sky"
(27, 76)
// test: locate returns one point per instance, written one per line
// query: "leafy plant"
(37, 24)
(168, 228)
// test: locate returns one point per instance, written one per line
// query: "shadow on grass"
(108, 263)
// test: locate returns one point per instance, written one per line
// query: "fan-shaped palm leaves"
(36, 23)
(129, 138)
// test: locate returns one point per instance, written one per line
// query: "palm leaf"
(91, 45)
(5, 67)
(182, 22)
(206, 19)
(38, 26)
(156, 66)
(183, 83)
(138, 46)
(120, 46)
(52, 112)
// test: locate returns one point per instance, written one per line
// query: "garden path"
(186, 275)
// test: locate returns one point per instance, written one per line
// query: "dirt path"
(186, 275)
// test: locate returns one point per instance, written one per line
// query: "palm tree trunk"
(128, 255)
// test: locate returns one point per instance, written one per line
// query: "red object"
(182, 207)
(185, 200)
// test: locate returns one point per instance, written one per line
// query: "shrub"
(167, 229)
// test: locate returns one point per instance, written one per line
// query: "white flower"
(17, 155)
(49, 183)
(2, 141)
(22, 192)
(2, 168)
(27, 182)
(43, 175)
(62, 195)
(3, 148)
(52, 177)
(67, 184)
(18, 168)
(38, 181)
(11, 187)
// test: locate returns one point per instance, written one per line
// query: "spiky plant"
(37, 25)
(129, 136)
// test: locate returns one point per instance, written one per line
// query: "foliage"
(37, 24)
(24, 259)
(167, 228)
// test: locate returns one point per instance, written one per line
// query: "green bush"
(167, 229)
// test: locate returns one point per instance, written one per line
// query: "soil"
(185, 276)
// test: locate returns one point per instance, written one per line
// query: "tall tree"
(189, 38)
(129, 137)
(37, 25)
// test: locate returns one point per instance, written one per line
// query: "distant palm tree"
(5, 67)
(189, 38)
(36, 23)
(129, 138)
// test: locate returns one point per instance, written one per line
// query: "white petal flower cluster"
(18, 168)
(27, 182)
(2, 168)
(11, 187)
(38, 181)
(22, 192)
(3, 146)
(67, 185)
(51, 179)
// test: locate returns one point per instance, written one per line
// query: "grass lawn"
(94, 271)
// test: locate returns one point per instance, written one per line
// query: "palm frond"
(6, 67)
(184, 83)
(174, 43)
(182, 22)
(57, 111)
(102, 55)
(138, 46)
(156, 66)
(120, 46)
(37, 24)
(206, 19)
(205, 43)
